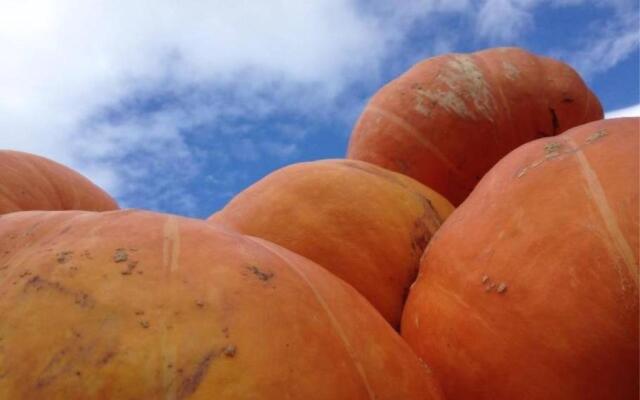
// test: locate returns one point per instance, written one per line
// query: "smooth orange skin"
(139, 305)
(367, 225)
(447, 120)
(555, 222)
(30, 182)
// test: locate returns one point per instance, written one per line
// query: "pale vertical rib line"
(170, 254)
(414, 132)
(607, 214)
(171, 244)
(332, 318)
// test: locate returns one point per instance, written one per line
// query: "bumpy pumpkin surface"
(367, 225)
(447, 120)
(140, 305)
(530, 289)
(30, 182)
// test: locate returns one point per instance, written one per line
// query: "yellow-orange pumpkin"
(450, 118)
(367, 225)
(140, 305)
(530, 289)
(30, 182)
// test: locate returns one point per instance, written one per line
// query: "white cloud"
(608, 45)
(504, 19)
(631, 111)
(280, 150)
(66, 62)
(508, 20)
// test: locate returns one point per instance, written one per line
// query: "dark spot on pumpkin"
(229, 351)
(83, 300)
(54, 368)
(104, 360)
(190, 383)
(131, 265)
(64, 256)
(78, 373)
(139, 312)
(144, 323)
(225, 332)
(120, 256)
(567, 100)
(25, 273)
(262, 275)
(200, 303)
(79, 298)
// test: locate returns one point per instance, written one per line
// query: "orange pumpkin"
(450, 118)
(30, 182)
(367, 225)
(140, 305)
(530, 289)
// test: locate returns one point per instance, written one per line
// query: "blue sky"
(176, 108)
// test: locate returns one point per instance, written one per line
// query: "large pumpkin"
(367, 225)
(139, 305)
(530, 289)
(30, 182)
(450, 118)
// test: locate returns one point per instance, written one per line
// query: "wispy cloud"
(606, 45)
(79, 78)
(504, 19)
(508, 20)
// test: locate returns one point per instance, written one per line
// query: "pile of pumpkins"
(353, 278)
